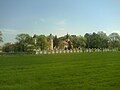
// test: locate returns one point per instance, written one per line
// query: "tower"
(35, 39)
(51, 42)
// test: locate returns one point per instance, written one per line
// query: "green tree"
(1, 40)
(114, 37)
(103, 40)
(88, 40)
(78, 41)
(93, 40)
(8, 47)
(55, 42)
(24, 42)
(42, 42)
(114, 40)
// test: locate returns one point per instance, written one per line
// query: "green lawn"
(61, 72)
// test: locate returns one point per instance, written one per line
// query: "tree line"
(29, 44)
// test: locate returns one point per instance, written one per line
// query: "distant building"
(35, 39)
(67, 44)
(51, 41)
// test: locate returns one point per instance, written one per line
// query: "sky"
(58, 17)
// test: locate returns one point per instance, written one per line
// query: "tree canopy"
(27, 43)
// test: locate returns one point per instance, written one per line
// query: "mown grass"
(61, 71)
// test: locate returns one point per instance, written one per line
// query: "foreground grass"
(60, 71)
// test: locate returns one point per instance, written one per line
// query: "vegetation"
(1, 36)
(1, 40)
(29, 44)
(61, 71)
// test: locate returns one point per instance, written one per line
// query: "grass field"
(61, 72)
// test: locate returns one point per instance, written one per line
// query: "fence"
(74, 51)
(59, 51)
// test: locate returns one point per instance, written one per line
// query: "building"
(51, 41)
(67, 44)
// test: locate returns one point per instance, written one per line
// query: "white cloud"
(61, 23)
(61, 29)
(59, 32)
(9, 31)
(10, 34)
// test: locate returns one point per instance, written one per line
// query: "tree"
(42, 42)
(103, 40)
(78, 41)
(88, 39)
(69, 45)
(25, 38)
(114, 37)
(67, 36)
(55, 42)
(1, 37)
(8, 47)
(1, 40)
(93, 40)
(65, 39)
(24, 42)
(82, 41)
(114, 40)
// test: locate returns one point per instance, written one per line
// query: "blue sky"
(58, 17)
